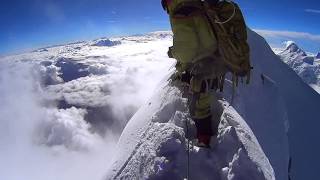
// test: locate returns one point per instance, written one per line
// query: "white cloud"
(288, 34)
(67, 129)
(312, 11)
(87, 91)
(21, 113)
(129, 76)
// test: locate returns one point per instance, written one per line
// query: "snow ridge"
(154, 144)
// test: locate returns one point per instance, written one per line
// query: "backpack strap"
(211, 11)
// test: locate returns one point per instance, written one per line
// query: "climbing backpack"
(211, 36)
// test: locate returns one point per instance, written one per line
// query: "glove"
(186, 77)
(170, 55)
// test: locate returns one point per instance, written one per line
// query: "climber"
(209, 40)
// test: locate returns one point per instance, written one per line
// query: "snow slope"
(302, 104)
(153, 144)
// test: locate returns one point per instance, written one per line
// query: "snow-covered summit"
(294, 55)
(289, 43)
(306, 66)
(105, 42)
(292, 47)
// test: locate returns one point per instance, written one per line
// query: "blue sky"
(28, 24)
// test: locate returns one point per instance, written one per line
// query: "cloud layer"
(52, 101)
(288, 34)
(312, 11)
(34, 137)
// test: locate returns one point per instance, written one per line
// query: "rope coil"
(229, 19)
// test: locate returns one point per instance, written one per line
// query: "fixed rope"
(186, 91)
(188, 151)
(229, 19)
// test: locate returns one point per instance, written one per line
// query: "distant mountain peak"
(161, 34)
(105, 42)
(318, 55)
(292, 47)
(289, 44)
